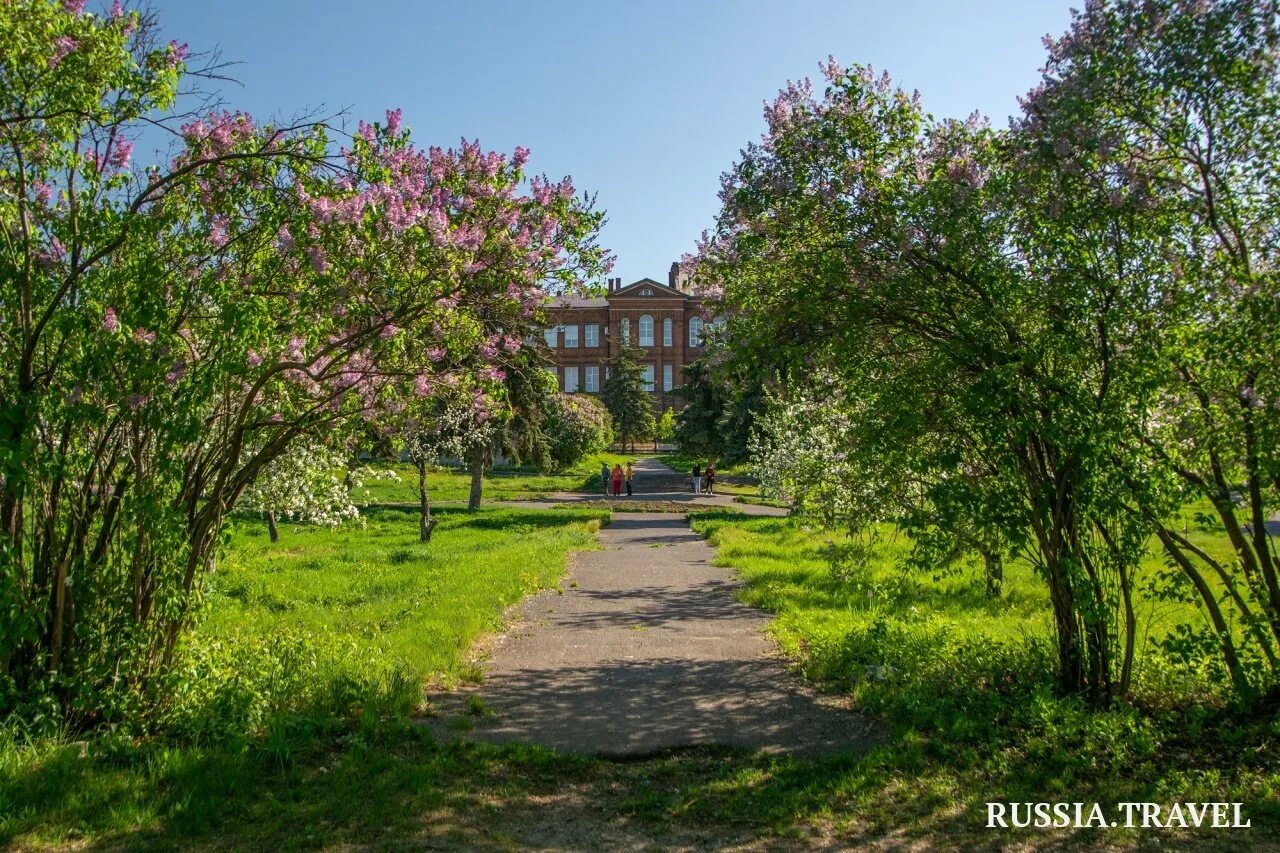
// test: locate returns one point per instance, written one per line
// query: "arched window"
(695, 332)
(646, 330)
(626, 330)
(666, 331)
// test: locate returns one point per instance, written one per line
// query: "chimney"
(673, 277)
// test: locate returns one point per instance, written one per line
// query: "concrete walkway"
(647, 649)
(654, 481)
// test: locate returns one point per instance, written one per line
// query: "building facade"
(664, 322)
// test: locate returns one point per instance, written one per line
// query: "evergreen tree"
(628, 400)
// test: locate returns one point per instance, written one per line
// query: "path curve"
(646, 648)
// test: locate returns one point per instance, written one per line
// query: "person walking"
(697, 479)
(629, 472)
(604, 478)
(711, 478)
(617, 480)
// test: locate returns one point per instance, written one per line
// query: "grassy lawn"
(291, 721)
(310, 647)
(500, 484)
(962, 681)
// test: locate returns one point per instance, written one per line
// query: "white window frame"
(551, 335)
(648, 378)
(666, 331)
(570, 336)
(591, 379)
(591, 335)
(668, 376)
(570, 378)
(645, 327)
(695, 332)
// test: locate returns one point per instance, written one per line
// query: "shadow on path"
(646, 649)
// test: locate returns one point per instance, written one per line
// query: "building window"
(668, 375)
(646, 330)
(648, 378)
(666, 331)
(626, 330)
(591, 333)
(555, 375)
(570, 379)
(695, 332)
(571, 337)
(550, 335)
(593, 380)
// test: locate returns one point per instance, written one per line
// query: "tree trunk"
(477, 479)
(271, 526)
(425, 522)
(993, 562)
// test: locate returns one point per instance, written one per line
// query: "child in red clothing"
(617, 480)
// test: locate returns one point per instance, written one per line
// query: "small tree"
(577, 425)
(627, 398)
(666, 428)
(308, 484)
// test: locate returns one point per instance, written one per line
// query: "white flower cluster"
(804, 451)
(308, 484)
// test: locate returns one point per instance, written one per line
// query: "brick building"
(664, 321)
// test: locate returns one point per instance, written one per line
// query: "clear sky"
(644, 103)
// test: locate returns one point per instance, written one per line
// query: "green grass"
(310, 646)
(964, 683)
(500, 484)
(292, 722)
(408, 604)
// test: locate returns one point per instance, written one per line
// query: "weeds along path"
(645, 648)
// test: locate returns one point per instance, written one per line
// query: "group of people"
(704, 482)
(615, 478)
(612, 480)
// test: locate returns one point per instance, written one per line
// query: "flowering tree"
(577, 426)
(307, 484)
(169, 331)
(1061, 332)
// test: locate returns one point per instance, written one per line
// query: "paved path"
(653, 481)
(648, 649)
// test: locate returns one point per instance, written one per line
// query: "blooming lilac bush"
(1062, 333)
(173, 328)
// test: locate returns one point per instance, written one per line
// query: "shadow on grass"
(393, 785)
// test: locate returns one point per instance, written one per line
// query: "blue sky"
(644, 103)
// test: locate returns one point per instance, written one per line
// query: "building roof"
(636, 287)
(580, 302)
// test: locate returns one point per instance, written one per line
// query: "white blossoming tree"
(308, 484)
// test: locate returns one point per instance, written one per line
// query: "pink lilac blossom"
(175, 373)
(178, 53)
(144, 336)
(73, 7)
(394, 118)
(62, 45)
(120, 154)
(253, 358)
(319, 259)
(109, 321)
(422, 386)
